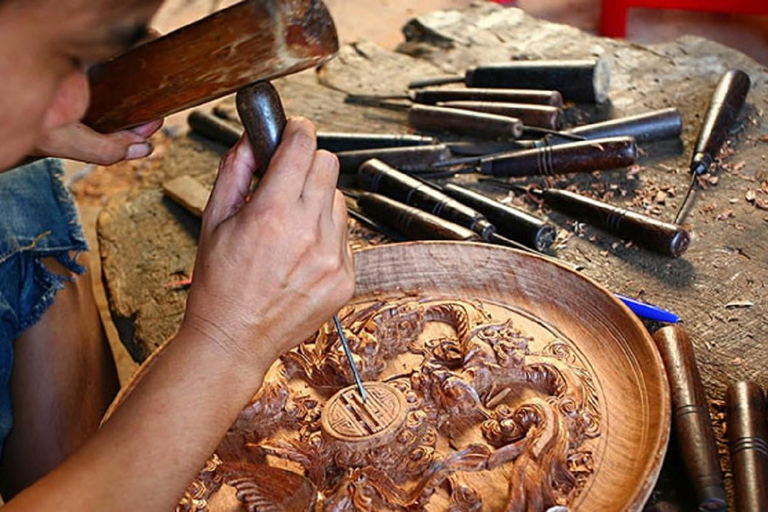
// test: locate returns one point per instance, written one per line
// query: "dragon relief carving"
(481, 400)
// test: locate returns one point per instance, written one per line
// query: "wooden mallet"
(236, 49)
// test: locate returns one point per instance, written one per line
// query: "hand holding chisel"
(264, 119)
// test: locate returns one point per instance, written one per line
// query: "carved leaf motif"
(464, 498)
(310, 453)
(266, 489)
(526, 410)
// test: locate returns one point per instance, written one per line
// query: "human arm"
(268, 273)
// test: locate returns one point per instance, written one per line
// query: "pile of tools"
(516, 133)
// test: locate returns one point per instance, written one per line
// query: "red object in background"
(613, 16)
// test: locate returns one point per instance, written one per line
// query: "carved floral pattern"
(481, 400)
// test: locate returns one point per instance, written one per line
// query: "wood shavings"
(739, 304)
(761, 203)
(727, 214)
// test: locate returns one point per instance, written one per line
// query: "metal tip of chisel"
(348, 352)
(684, 205)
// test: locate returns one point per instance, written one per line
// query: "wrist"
(235, 352)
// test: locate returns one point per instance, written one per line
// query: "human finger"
(286, 174)
(79, 142)
(232, 185)
(321, 183)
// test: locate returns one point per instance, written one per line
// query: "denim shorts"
(38, 219)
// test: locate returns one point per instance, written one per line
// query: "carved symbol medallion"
(347, 418)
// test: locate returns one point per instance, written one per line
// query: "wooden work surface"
(717, 287)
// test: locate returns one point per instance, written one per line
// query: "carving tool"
(724, 107)
(646, 127)
(376, 176)
(350, 358)
(662, 237)
(543, 116)
(581, 81)
(690, 417)
(411, 159)
(434, 119)
(509, 221)
(262, 114)
(748, 442)
(431, 96)
(248, 42)
(415, 224)
(219, 130)
(582, 156)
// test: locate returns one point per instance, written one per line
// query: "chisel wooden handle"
(513, 223)
(748, 441)
(690, 418)
(724, 108)
(251, 41)
(415, 224)
(476, 124)
(586, 156)
(543, 116)
(262, 114)
(662, 237)
(376, 176)
(529, 96)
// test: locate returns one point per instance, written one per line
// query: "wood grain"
(251, 41)
(584, 380)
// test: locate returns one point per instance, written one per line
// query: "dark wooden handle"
(586, 156)
(748, 441)
(543, 116)
(724, 108)
(463, 122)
(662, 237)
(376, 176)
(415, 224)
(529, 96)
(690, 417)
(262, 114)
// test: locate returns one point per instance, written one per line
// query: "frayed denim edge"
(50, 281)
(67, 205)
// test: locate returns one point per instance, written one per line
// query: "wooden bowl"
(549, 303)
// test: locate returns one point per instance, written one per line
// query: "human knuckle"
(328, 160)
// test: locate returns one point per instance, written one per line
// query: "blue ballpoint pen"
(648, 311)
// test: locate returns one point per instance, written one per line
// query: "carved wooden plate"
(497, 380)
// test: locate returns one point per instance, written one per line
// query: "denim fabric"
(37, 219)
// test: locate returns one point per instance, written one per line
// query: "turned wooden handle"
(690, 417)
(251, 41)
(263, 117)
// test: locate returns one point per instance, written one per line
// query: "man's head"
(45, 45)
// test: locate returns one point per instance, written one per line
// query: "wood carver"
(465, 412)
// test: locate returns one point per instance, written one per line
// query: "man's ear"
(70, 101)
